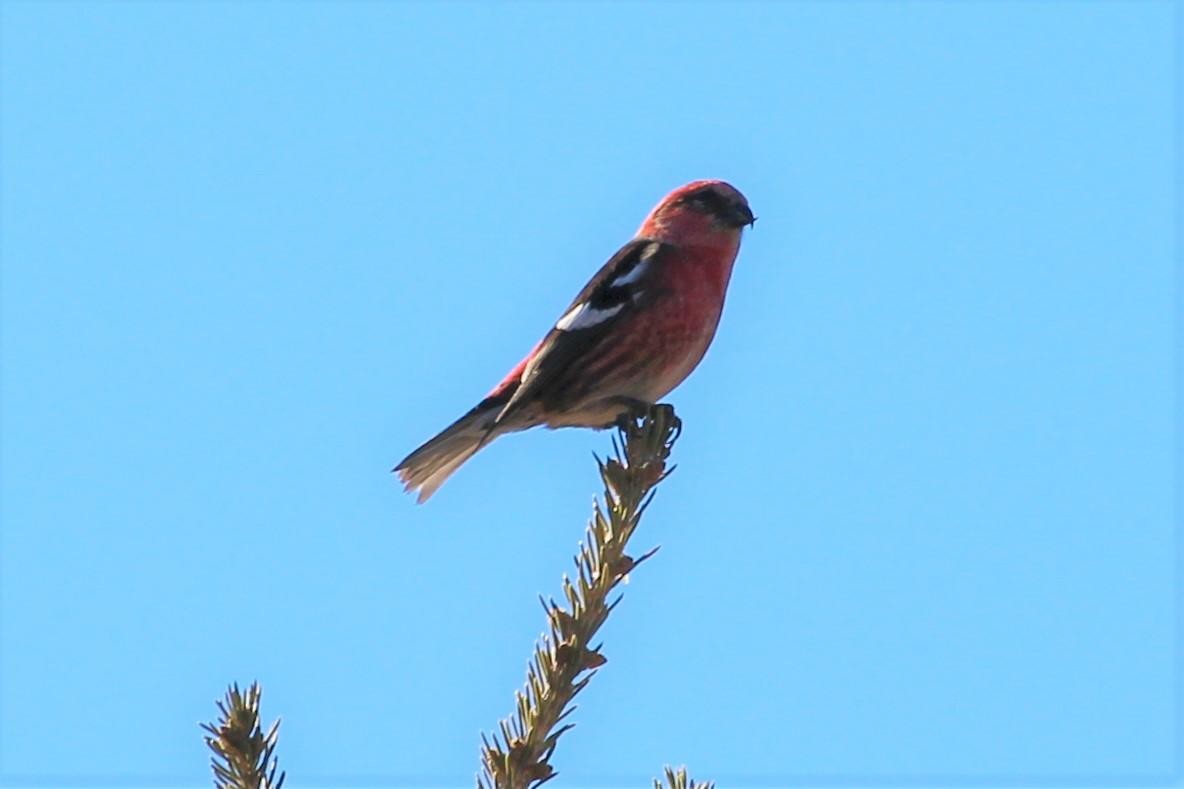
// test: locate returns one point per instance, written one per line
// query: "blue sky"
(921, 531)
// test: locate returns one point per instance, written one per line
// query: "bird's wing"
(567, 359)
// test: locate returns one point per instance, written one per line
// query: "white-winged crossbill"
(635, 331)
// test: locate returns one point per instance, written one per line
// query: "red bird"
(634, 332)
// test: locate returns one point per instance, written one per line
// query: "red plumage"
(635, 331)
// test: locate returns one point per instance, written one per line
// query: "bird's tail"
(426, 469)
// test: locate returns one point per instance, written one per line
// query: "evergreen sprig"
(678, 779)
(244, 757)
(565, 658)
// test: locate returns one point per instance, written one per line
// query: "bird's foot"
(638, 411)
(631, 411)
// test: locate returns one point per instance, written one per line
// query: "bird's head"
(702, 213)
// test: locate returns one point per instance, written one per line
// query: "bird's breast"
(678, 336)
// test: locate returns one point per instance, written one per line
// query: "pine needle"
(244, 756)
(565, 659)
(678, 779)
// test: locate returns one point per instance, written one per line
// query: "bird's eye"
(708, 202)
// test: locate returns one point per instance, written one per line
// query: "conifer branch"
(565, 659)
(244, 757)
(678, 779)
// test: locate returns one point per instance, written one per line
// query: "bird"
(632, 334)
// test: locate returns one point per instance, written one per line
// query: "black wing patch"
(622, 286)
(618, 283)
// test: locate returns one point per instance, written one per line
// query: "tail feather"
(426, 469)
